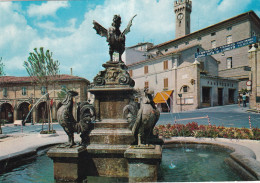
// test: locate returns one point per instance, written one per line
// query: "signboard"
(227, 47)
(249, 83)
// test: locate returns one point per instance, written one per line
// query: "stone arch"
(22, 111)
(41, 113)
(6, 112)
(184, 88)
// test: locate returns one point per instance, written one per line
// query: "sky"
(66, 28)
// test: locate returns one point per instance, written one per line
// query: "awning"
(162, 97)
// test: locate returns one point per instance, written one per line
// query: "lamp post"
(180, 95)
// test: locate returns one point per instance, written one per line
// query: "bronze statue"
(142, 119)
(68, 122)
(146, 118)
(115, 39)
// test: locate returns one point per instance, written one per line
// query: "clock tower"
(182, 9)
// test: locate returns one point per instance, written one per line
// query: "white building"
(208, 81)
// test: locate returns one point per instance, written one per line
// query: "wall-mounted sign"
(227, 47)
(249, 83)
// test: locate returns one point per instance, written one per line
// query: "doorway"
(220, 96)
(231, 96)
(206, 96)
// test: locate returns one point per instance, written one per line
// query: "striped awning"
(162, 97)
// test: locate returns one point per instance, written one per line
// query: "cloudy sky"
(65, 28)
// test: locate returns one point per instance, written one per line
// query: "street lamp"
(180, 95)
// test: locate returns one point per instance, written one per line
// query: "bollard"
(208, 120)
(249, 122)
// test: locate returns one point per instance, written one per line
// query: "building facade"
(219, 78)
(19, 94)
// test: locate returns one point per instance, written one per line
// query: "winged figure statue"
(115, 38)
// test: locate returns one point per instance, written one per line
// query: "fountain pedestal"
(143, 163)
(108, 153)
(67, 162)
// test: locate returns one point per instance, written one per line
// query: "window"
(166, 50)
(229, 39)
(5, 92)
(213, 33)
(199, 38)
(174, 62)
(202, 66)
(185, 89)
(165, 83)
(43, 90)
(146, 69)
(229, 62)
(229, 28)
(187, 42)
(165, 65)
(146, 84)
(176, 46)
(131, 73)
(213, 44)
(23, 90)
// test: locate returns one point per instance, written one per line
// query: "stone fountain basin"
(242, 159)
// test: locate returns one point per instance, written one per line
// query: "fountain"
(109, 148)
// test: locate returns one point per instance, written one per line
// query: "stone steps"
(111, 123)
(106, 149)
(111, 136)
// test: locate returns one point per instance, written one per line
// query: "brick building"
(172, 65)
(17, 93)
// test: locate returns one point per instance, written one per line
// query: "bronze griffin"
(115, 38)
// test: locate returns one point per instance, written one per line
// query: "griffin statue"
(115, 38)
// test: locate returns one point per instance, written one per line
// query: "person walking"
(244, 99)
(238, 100)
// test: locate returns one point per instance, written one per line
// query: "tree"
(1, 67)
(43, 70)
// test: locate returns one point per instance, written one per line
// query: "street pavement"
(228, 116)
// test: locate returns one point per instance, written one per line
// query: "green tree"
(1, 67)
(43, 70)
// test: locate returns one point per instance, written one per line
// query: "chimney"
(71, 71)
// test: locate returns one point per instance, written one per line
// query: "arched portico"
(6, 112)
(22, 111)
(42, 114)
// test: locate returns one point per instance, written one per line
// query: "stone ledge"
(106, 149)
(155, 153)
(111, 131)
(66, 152)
